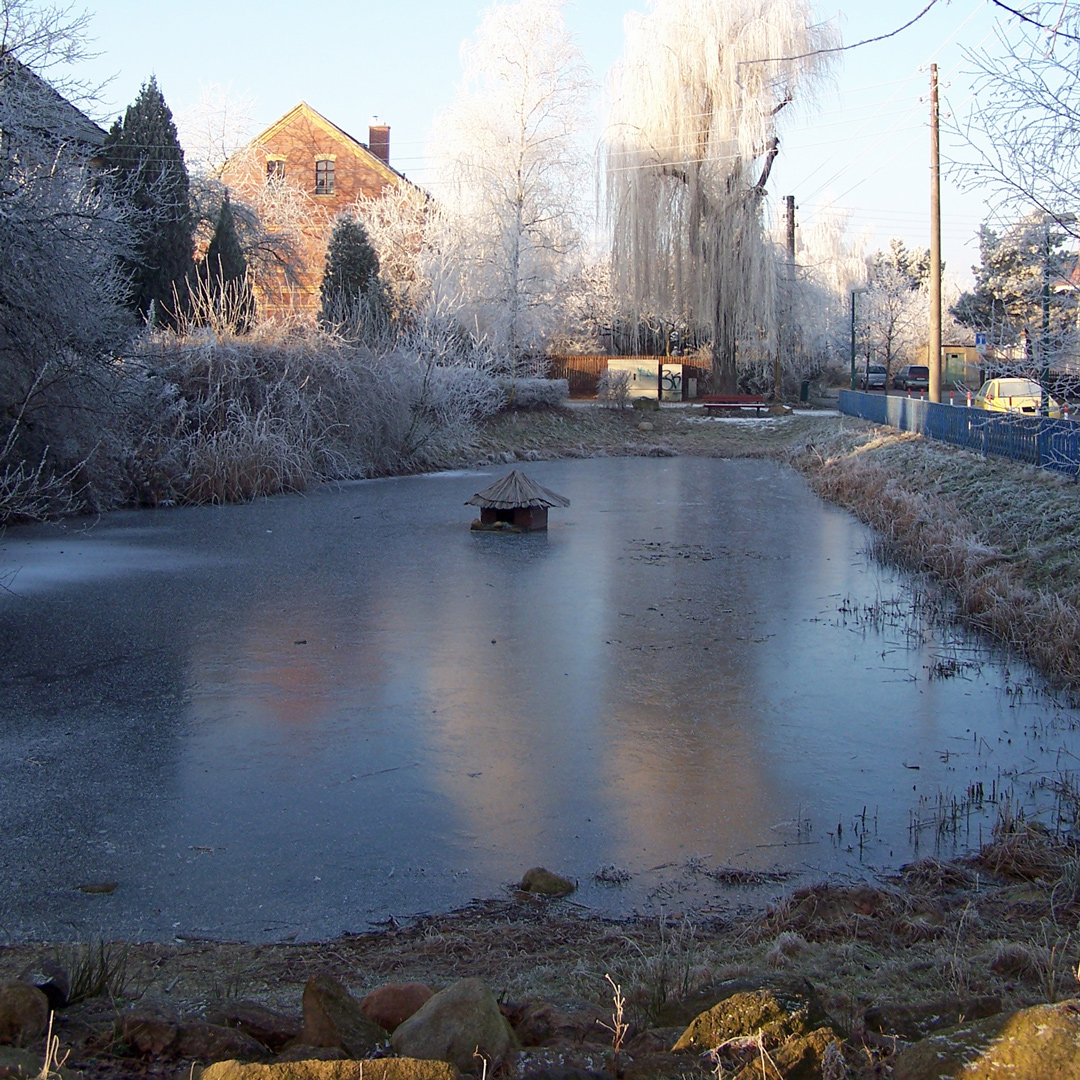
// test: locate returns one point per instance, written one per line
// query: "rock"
(799, 1058)
(149, 1031)
(1032, 1044)
(538, 1023)
(651, 1042)
(658, 1066)
(377, 1069)
(51, 979)
(567, 1072)
(24, 1013)
(297, 1051)
(793, 993)
(785, 1026)
(539, 880)
(393, 1003)
(333, 1017)
(200, 1041)
(28, 1063)
(457, 1022)
(271, 1028)
(914, 1022)
(645, 426)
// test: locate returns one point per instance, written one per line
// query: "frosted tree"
(1023, 127)
(897, 304)
(692, 136)
(510, 169)
(215, 128)
(829, 263)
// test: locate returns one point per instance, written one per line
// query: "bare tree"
(511, 169)
(1023, 127)
(692, 137)
(61, 239)
(215, 128)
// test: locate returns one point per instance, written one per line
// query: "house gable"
(329, 171)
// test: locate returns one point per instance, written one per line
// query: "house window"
(324, 177)
(275, 171)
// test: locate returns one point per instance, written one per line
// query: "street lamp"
(854, 293)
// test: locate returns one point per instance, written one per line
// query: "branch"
(846, 48)
(1055, 30)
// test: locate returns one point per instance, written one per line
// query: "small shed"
(516, 503)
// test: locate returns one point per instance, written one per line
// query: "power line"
(843, 48)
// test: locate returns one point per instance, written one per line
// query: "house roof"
(52, 114)
(516, 489)
(305, 111)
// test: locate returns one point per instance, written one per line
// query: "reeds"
(1000, 537)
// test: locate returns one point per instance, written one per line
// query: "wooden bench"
(735, 401)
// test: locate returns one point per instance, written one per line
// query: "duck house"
(514, 503)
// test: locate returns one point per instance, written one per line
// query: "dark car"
(874, 377)
(912, 377)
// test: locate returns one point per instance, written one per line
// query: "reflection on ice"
(307, 713)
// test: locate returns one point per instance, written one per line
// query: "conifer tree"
(143, 155)
(350, 286)
(225, 271)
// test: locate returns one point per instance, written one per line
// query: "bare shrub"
(534, 393)
(613, 390)
(227, 418)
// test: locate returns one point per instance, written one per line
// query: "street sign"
(980, 343)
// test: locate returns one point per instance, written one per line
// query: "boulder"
(28, 1063)
(544, 882)
(794, 992)
(297, 1051)
(393, 1003)
(914, 1022)
(567, 1072)
(746, 1014)
(457, 1023)
(333, 1017)
(1031, 1044)
(539, 1023)
(377, 1069)
(51, 979)
(24, 1013)
(148, 1031)
(272, 1029)
(199, 1041)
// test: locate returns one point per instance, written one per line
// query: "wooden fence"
(583, 372)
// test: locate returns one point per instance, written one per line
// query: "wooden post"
(933, 353)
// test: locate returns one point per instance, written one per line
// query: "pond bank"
(887, 966)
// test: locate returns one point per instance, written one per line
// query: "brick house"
(300, 173)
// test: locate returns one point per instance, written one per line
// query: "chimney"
(379, 140)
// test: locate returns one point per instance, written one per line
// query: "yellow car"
(1014, 395)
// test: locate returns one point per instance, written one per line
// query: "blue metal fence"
(1036, 440)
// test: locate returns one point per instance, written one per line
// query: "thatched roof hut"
(515, 502)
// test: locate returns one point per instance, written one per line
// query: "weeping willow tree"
(692, 138)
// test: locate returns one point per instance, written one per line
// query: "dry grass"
(1001, 537)
(940, 931)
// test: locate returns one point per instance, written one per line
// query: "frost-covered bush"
(230, 418)
(613, 390)
(534, 393)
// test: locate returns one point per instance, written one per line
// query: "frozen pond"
(301, 716)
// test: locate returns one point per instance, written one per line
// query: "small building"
(961, 365)
(514, 503)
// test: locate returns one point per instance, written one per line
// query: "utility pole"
(788, 337)
(1044, 405)
(933, 353)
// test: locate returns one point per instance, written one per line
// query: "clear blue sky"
(865, 142)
